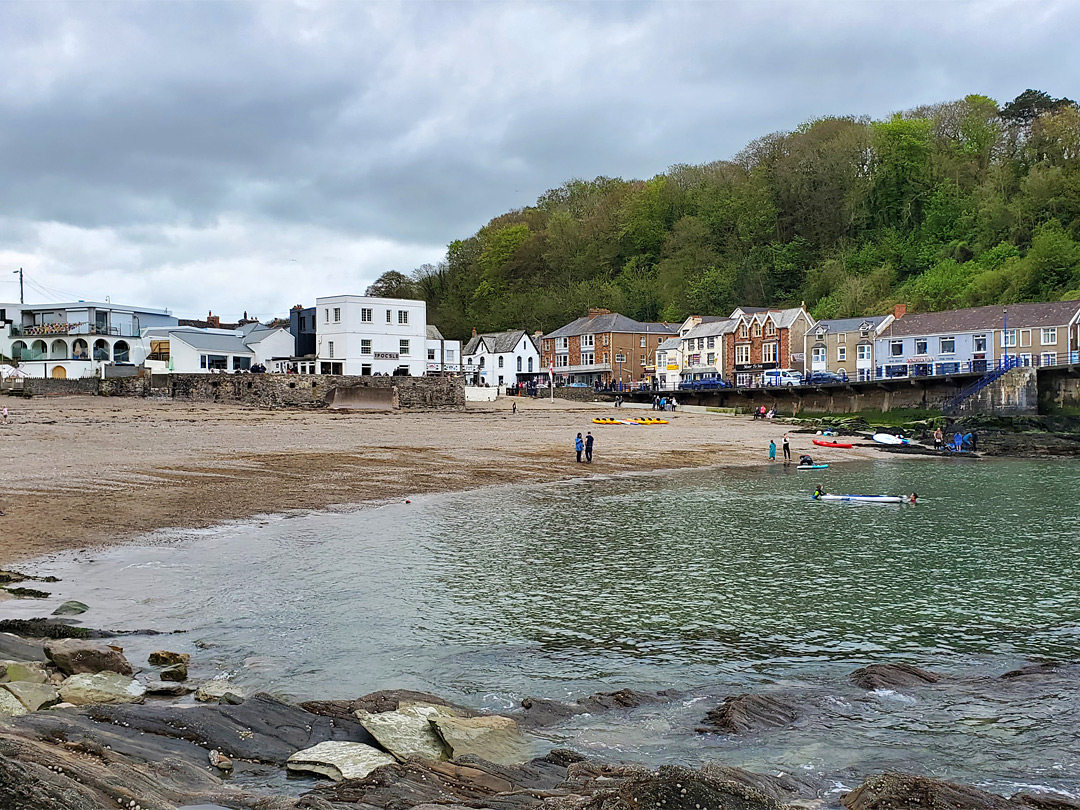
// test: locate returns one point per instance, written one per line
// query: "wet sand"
(86, 471)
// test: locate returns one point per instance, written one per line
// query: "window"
(365, 346)
(978, 342)
(644, 342)
(1049, 336)
(500, 361)
(896, 348)
(642, 360)
(403, 348)
(588, 341)
(757, 329)
(742, 355)
(841, 354)
(948, 345)
(770, 328)
(403, 316)
(710, 359)
(562, 344)
(711, 343)
(862, 352)
(562, 360)
(1049, 358)
(519, 364)
(620, 357)
(365, 315)
(327, 311)
(449, 355)
(587, 358)
(921, 346)
(530, 365)
(330, 349)
(1009, 339)
(241, 363)
(817, 355)
(430, 354)
(769, 353)
(743, 332)
(389, 316)
(214, 362)
(337, 314)
(605, 340)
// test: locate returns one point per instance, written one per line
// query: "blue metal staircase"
(1004, 365)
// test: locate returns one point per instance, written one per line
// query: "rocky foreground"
(81, 732)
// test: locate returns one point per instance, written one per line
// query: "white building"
(500, 359)
(702, 348)
(443, 356)
(76, 339)
(360, 335)
(669, 364)
(190, 350)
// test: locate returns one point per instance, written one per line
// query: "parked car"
(787, 377)
(707, 384)
(824, 378)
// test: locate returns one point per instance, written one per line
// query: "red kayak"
(823, 443)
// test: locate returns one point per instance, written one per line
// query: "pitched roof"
(494, 342)
(210, 341)
(712, 329)
(1020, 316)
(670, 343)
(611, 322)
(849, 324)
(433, 332)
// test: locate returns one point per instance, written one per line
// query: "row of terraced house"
(603, 349)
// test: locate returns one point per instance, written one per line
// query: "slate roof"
(495, 342)
(611, 322)
(433, 333)
(712, 329)
(849, 324)
(974, 319)
(669, 344)
(210, 341)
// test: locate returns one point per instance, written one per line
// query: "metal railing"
(64, 329)
(1003, 366)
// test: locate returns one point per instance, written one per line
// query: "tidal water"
(710, 582)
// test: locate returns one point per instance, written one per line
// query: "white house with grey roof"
(845, 346)
(190, 350)
(501, 359)
(702, 349)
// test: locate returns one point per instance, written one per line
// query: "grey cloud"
(413, 124)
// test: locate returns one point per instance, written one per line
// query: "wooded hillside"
(954, 204)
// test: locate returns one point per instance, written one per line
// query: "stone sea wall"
(271, 390)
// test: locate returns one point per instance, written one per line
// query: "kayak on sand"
(823, 443)
(888, 438)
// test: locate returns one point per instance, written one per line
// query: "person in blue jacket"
(579, 445)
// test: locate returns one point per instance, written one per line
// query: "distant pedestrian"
(5, 414)
(772, 450)
(579, 445)
(674, 404)
(974, 444)
(939, 439)
(514, 408)
(588, 448)
(787, 449)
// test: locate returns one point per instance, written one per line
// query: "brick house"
(761, 339)
(604, 347)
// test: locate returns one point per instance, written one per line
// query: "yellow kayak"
(599, 421)
(649, 421)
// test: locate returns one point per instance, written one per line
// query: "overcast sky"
(251, 156)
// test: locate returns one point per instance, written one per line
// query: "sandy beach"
(85, 471)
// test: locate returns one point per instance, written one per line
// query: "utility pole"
(19, 273)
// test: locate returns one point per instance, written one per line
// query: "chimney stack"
(212, 320)
(474, 331)
(899, 311)
(594, 311)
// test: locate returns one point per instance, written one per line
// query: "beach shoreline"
(93, 471)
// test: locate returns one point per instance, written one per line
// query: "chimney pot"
(899, 311)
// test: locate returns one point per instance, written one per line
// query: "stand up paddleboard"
(863, 498)
(812, 467)
(888, 438)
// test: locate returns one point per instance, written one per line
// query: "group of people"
(787, 449)
(959, 442)
(763, 413)
(585, 445)
(664, 404)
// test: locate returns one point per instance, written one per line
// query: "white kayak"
(863, 498)
(888, 438)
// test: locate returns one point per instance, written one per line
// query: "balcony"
(584, 369)
(51, 329)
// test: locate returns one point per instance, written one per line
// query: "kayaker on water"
(818, 492)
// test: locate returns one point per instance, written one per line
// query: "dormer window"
(757, 330)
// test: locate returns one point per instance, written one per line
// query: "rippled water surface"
(712, 582)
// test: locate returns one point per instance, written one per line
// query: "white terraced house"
(75, 340)
(190, 350)
(501, 359)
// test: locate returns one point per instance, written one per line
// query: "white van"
(782, 376)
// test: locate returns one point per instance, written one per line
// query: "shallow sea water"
(711, 582)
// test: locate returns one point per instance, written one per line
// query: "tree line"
(962, 203)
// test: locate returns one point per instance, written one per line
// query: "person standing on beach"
(939, 439)
(579, 445)
(772, 450)
(787, 450)
(5, 414)
(588, 448)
